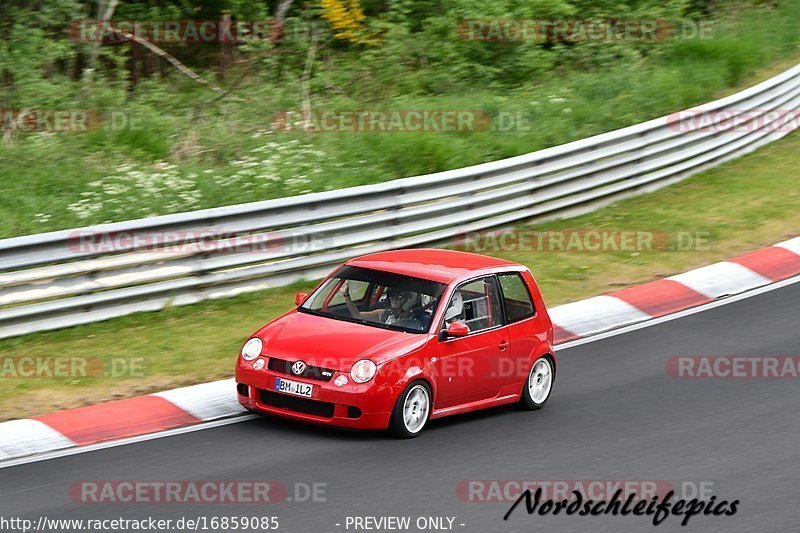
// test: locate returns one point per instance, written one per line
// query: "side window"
(476, 304)
(516, 296)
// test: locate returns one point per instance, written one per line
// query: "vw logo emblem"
(298, 367)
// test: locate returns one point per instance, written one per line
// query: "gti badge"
(298, 367)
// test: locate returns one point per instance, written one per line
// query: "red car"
(394, 339)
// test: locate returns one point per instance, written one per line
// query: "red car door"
(471, 368)
(525, 329)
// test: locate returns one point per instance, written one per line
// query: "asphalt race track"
(615, 415)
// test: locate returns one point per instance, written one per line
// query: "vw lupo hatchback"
(394, 339)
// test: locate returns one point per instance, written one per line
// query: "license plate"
(293, 387)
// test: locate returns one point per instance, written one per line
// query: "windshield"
(377, 298)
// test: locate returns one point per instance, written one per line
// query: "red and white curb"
(212, 401)
(119, 419)
(676, 293)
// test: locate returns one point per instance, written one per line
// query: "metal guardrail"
(54, 280)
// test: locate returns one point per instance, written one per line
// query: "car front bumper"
(366, 406)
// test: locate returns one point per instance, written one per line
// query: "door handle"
(503, 345)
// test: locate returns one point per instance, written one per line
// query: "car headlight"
(251, 349)
(363, 371)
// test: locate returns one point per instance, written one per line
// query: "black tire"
(397, 425)
(526, 400)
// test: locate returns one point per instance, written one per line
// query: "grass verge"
(742, 205)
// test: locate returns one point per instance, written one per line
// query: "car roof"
(433, 264)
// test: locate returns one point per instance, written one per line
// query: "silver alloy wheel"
(540, 380)
(415, 409)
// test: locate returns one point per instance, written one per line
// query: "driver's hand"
(345, 290)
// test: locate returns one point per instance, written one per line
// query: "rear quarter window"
(518, 303)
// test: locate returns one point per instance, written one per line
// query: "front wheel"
(411, 412)
(539, 384)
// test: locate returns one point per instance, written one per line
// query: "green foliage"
(221, 149)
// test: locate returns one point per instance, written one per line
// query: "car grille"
(311, 372)
(300, 405)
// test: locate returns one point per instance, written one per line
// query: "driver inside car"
(398, 310)
(455, 311)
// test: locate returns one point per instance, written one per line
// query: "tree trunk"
(104, 14)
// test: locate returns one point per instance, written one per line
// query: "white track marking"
(721, 279)
(679, 314)
(793, 245)
(29, 436)
(592, 315)
(122, 442)
(206, 401)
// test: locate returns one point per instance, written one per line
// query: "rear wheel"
(411, 412)
(539, 384)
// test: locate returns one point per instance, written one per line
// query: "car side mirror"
(457, 329)
(300, 297)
